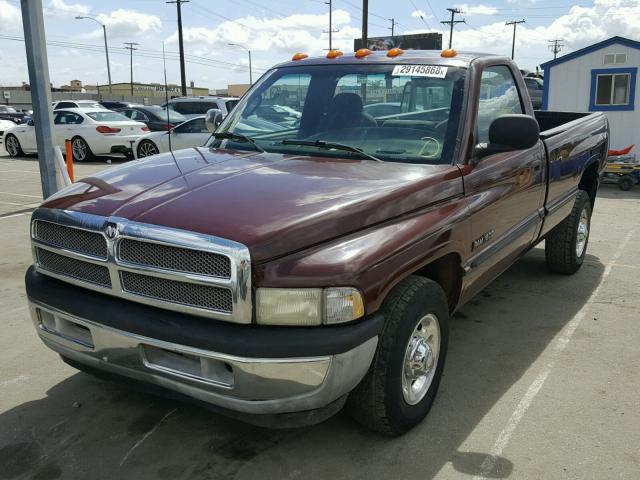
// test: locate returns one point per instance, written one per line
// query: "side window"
(196, 125)
(67, 118)
(127, 113)
(193, 108)
(139, 116)
(498, 96)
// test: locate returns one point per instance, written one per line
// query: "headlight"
(307, 306)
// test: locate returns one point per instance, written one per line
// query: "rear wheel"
(401, 384)
(626, 182)
(146, 148)
(12, 146)
(80, 150)
(566, 246)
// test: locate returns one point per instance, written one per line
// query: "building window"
(615, 58)
(612, 89)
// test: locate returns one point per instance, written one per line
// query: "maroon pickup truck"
(311, 254)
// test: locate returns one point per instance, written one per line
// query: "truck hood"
(274, 204)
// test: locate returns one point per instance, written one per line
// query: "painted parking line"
(559, 344)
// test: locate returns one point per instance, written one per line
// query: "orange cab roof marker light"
(299, 56)
(334, 54)
(363, 52)
(449, 53)
(394, 52)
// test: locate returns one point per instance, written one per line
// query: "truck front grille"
(200, 296)
(174, 258)
(68, 238)
(71, 267)
(164, 267)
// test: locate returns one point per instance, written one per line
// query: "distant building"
(150, 90)
(598, 78)
(237, 89)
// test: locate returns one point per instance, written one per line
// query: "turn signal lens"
(145, 129)
(342, 305)
(107, 130)
(394, 52)
(449, 53)
(334, 54)
(299, 56)
(363, 52)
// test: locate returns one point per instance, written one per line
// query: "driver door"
(505, 191)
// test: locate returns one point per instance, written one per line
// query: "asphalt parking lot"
(542, 382)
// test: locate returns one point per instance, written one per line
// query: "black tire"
(378, 402)
(626, 182)
(147, 148)
(13, 147)
(561, 245)
(79, 144)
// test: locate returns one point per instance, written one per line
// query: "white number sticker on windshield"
(419, 71)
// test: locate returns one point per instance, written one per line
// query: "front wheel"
(12, 145)
(147, 148)
(399, 389)
(566, 246)
(80, 150)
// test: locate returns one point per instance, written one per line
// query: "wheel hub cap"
(420, 359)
(583, 233)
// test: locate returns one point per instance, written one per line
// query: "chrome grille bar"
(165, 267)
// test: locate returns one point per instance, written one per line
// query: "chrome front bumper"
(242, 384)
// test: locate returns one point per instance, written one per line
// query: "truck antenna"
(166, 95)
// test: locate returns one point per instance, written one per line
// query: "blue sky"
(274, 30)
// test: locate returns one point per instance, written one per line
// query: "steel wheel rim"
(147, 149)
(12, 146)
(420, 359)
(79, 149)
(583, 233)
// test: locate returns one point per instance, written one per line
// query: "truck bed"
(551, 123)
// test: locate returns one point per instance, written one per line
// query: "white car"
(92, 132)
(5, 125)
(192, 133)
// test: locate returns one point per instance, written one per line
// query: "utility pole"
(106, 49)
(38, 66)
(452, 22)
(183, 75)
(131, 49)
(393, 24)
(556, 46)
(365, 22)
(513, 43)
(331, 30)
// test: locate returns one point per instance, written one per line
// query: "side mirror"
(510, 132)
(30, 122)
(213, 119)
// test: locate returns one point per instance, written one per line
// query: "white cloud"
(580, 27)
(10, 18)
(419, 14)
(126, 23)
(61, 8)
(477, 9)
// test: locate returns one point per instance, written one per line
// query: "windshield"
(107, 116)
(392, 112)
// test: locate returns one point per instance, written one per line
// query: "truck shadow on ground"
(114, 432)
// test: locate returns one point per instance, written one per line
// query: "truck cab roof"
(433, 57)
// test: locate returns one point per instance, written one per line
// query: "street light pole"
(249, 52)
(106, 48)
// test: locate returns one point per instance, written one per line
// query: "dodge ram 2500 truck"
(311, 253)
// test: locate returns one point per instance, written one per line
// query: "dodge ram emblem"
(111, 230)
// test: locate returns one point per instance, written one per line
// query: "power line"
(183, 75)
(515, 23)
(452, 22)
(416, 9)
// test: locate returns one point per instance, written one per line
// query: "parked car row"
(105, 128)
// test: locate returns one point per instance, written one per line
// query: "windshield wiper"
(331, 146)
(237, 136)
